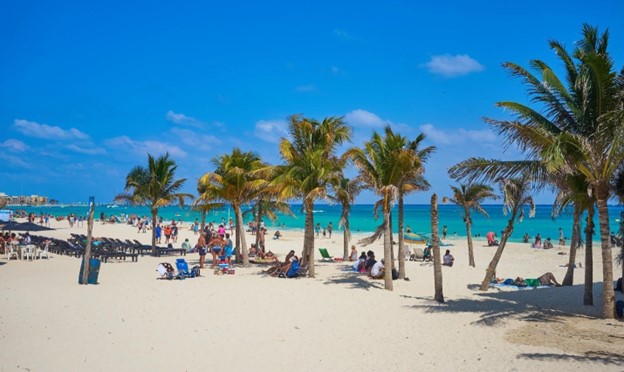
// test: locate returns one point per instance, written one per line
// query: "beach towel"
(513, 287)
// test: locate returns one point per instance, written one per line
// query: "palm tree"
(435, 241)
(384, 165)
(579, 128)
(573, 192)
(154, 186)
(413, 180)
(266, 205)
(470, 197)
(345, 191)
(235, 181)
(310, 163)
(516, 194)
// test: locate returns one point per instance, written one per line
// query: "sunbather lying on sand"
(544, 280)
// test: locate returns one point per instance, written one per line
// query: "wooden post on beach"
(435, 242)
(86, 258)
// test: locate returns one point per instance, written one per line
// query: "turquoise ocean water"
(362, 218)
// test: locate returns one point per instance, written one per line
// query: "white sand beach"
(339, 320)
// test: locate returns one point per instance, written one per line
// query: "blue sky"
(88, 89)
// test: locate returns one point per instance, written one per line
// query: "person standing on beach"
(201, 248)
(174, 232)
(317, 230)
(158, 233)
(444, 232)
(330, 228)
(561, 238)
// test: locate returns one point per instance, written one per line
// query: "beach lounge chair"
(325, 256)
(419, 254)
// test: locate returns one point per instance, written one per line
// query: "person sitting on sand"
(360, 264)
(354, 255)
(547, 244)
(491, 239)
(547, 279)
(378, 270)
(187, 246)
(277, 235)
(370, 261)
(538, 242)
(427, 253)
(448, 259)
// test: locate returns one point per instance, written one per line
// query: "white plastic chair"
(11, 251)
(28, 252)
(43, 252)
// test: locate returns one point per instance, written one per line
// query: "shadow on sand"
(355, 280)
(595, 356)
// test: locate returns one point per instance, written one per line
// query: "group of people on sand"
(325, 230)
(218, 243)
(366, 263)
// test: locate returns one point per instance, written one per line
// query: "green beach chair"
(325, 255)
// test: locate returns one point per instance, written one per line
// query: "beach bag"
(195, 271)
(395, 274)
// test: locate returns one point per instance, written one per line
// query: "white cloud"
(305, 88)
(451, 66)
(342, 34)
(144, 147)
(195, 140)
(34, 129)
(14, 145)
(456, 136)
(271, 130)
(14, 161)
(182, 119)
(84, 150)
(363, 118)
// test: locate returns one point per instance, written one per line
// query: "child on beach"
(354, 255)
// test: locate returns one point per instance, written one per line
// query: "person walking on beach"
(330, 228)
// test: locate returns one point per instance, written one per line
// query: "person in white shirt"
(448, 258)
(378, 269)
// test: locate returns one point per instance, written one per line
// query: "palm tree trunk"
(388, 257)
(435, 241)
(471, 260)
(240, 232)
(154, 216)
(308, 238)
(491, 270)
(569, 276)
(203, 220)
(588, 295)
(401, 240)
(608, 306)
(345, 237)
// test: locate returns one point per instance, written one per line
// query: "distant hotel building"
(26, 200)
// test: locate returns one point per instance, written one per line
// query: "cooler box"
(94, 271)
